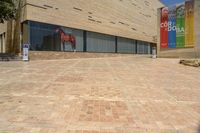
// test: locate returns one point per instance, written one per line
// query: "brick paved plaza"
(128, 94)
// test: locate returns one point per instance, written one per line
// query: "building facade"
(3, 30)
(114, 26)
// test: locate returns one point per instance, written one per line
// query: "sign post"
(25, 52)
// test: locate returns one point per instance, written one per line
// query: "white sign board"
(154, 53)
(25, 52)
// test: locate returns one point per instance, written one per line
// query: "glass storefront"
(43, 37)
(97, 42)
(126, 45)
(47, 37)
(143, 47)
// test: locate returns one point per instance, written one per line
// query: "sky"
(171, 2)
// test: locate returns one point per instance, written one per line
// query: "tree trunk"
(17, 29)
(9, 40)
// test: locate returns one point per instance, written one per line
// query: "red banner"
(164, 28)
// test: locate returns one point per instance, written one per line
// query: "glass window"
(45, 37)
(126, 45)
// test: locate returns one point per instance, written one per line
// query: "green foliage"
(7, 10)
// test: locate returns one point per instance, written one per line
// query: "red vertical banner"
(164, 28)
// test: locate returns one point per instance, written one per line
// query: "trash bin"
(154, 56)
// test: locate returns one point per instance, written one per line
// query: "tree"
(7, 10)
(10, 12)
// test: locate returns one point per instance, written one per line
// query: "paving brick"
(126, 94)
